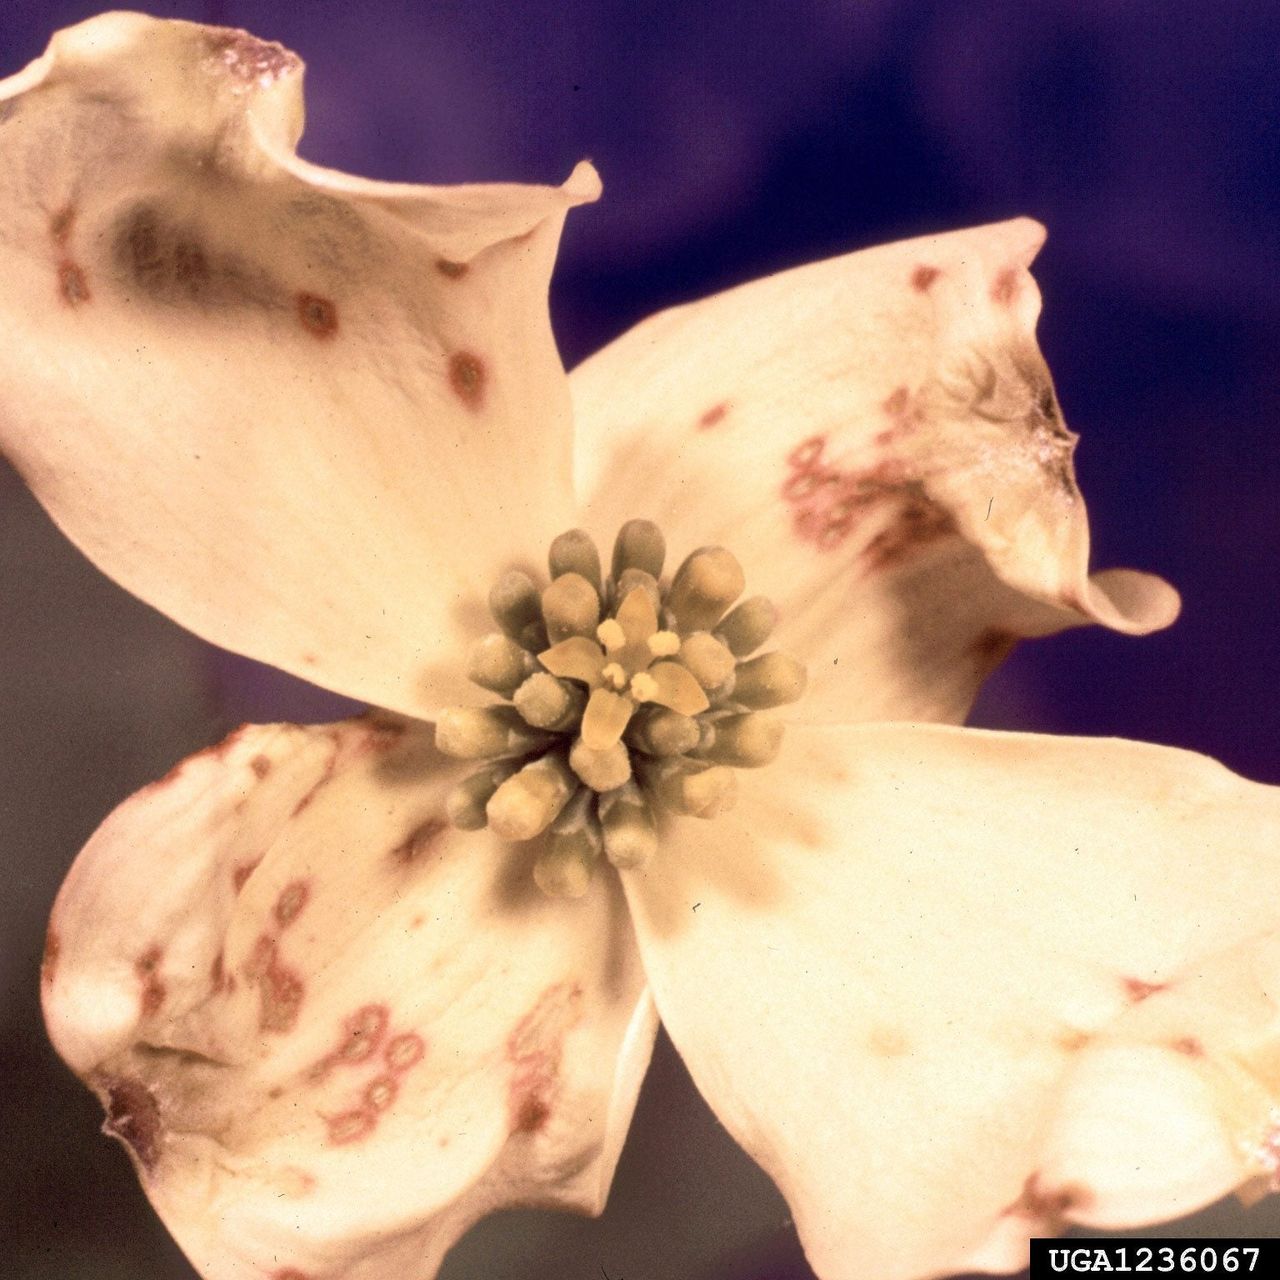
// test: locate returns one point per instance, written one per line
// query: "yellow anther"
(644, 688)
(499, 664)
(744, 741)
(640, 545)
(659, 731)
(630, 837)
(706, 659)
(575, 552)
(614, 676)
(564, 868)
(478, 733)
(548, 703)
(528, 802)
(600, 770)
(570, 607)
(664, 644)
(611, 635)
(771, 680)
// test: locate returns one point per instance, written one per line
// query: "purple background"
(734, 139)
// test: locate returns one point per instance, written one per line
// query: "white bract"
(949, 988)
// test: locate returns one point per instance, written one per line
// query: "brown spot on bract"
(1188, 1046)
(532, 1111)
(146, 967)
(362, 1033)
(888, 1042)
(467, 378)
(310, 660)
(351, 1126)
(290, 1273)
(164, 261)
(293, 898)
(1004, 288)
(453, 270)
(991, 647)
(897, 401)
(1137, 990)
(190, 268)
(49, 961)
(829, 503)
(713, 416)
(379, 1094)
(319, 316)
(261, 766)
(806, 455)
(73, 286)
(282, 994)
(60, 223)
(133, 1116)
(423, 839)
(1073, 1039)
(535, 1048)
(1048, 1207)
(923, 276)
(240, 876)
(326, 775)
(280, 989)
(918, 524)
(405, 1051)
(384, 729)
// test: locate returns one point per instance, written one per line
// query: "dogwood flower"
(338, 996)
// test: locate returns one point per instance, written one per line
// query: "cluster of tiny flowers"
(627, 696)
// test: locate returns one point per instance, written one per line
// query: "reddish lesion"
(923, 277)
(147, 967)
(535, 1048)
(291, 902)
(1137, 990)
(252, 60)
(73, 283)
(991, 647)
(1048, 1207)
(1004, 288)
(713, 416)
(368, 1044)
(133, 1116)
(241, 873)
(49, 960)
(317, 315)
(919, 523)
(280, 988)
(350, 1126)
(425, 838)
(831, 503)
(219, 979)
(468, 377)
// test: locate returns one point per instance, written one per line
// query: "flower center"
(627, 697)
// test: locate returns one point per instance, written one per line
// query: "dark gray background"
(734, 138)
